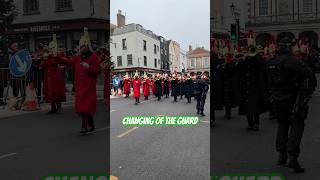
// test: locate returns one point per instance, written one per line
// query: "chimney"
(121, 19)
(190, 48)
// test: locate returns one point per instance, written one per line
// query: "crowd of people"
(163, 85)
(46, 79)
(278, 79)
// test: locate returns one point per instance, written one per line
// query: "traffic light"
(234, 33)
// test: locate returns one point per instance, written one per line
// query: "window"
(205, 61)
(119, 61)
(31, 6)
(155, 49)
(263, 7)
(63, 5)
(129, 59)
(144, 45)
(307, 6)
(193, 62)
(124, 44)
(145, 60)
(155, 63)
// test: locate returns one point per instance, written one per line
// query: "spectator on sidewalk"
(115, 84)
(4, 73)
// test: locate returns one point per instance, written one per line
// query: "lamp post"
(236, 16)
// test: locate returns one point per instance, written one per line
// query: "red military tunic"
(126, 86)
(146, 88)
(136, 87)
(53, 85)
(85, 82)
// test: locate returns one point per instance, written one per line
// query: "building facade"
(276, 19)
(174, 56)
(183, 61)
(134, 48)
(198, 60)
(38, 20)
(164, 54)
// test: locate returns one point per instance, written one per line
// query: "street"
(36, 144)
(152, 153)
(235, 150)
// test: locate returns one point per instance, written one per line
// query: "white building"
(183, 61)
(198, 60)
(135, 48)
(174, 56)
(38, 20)
(276, 19)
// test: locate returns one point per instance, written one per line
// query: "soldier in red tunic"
(126, 85)
(87, 68)
(146, 87)
(136, 88)
(54, 85)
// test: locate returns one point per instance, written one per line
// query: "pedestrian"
(158, 85)
(86, 68)
(146, 87)
(166, 85)
(4, 77)
(174, 87)
(253, 96)
(201, 88)
(188, 88)
(126, 85)
(115, 84)
(290, 95)
(136, 82)
(54, 84)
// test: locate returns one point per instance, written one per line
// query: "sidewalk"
(5, 112)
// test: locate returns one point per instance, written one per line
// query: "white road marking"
(127, 132)
(7, 155)
(113, 110)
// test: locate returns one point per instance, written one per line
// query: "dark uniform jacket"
(175, 90)
(253, 95)
(188, 88)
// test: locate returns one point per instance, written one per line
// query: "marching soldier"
(166, 85)
(174, 87)
(126, 85)
(182, 86)
(136, 82)
(87, 68)
(201, 88)
(252, 88)
(188, 88)
(146, 87)
(54, 85)
(158, 85)
(288, 77)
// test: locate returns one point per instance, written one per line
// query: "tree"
(8, 12)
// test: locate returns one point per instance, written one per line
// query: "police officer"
(285, 75)
(201, 87)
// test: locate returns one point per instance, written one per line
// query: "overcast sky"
(185, 21)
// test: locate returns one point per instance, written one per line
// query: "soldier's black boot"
(282, 159)
(58, 107)
(294, 164)
(53, 109)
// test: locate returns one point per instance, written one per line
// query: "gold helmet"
(85, 40)
(53, 45)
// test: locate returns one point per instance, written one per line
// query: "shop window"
(31, 7)
(63, 5)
